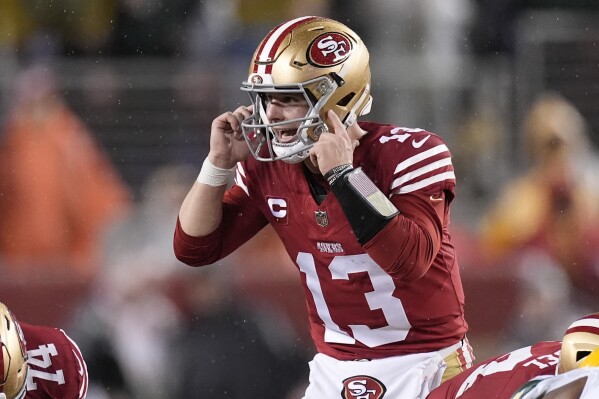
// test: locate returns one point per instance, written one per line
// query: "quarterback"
(362, 208)
(39, 362)
(532, 371)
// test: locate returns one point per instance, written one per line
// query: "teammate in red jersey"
(39, 362)
(362, 208)
(580, 383)
(509, 375)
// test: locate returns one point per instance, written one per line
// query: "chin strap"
(352, 116)
(350, 120)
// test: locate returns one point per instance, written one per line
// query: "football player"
(582, 383)
(362, 208)
(38, 362)
(513, 374)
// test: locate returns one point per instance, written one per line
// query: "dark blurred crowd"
(193, 27)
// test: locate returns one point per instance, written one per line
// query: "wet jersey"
(401, 292)
(501, 376)
(56, 367)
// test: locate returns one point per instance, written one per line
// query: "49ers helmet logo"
(329, 49)
(363, 387)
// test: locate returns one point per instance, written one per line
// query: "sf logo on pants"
(362, 387)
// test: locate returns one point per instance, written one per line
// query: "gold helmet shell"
(318, 57)
(13, 360)
(580, 341)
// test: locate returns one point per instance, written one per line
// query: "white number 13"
(380, 298)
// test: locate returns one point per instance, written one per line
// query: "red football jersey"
(410, 299)
(501, 376)
(56, 367)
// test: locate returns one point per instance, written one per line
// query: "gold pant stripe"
(458, 360)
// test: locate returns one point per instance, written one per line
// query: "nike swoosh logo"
(435, 199)
(418, 144)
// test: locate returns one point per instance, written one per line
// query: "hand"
(334, 148)
(227, 145)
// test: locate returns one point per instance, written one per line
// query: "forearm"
(238, 221)
(365, 206)
(403, 243)
(404, 249)
(201, 211)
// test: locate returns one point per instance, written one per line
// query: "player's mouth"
(286, 136)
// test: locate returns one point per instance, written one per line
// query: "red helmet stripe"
(588, 324)
(270, 44)
(586, 329)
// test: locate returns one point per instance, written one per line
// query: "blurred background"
(105, 110)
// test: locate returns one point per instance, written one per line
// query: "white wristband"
(213, 175)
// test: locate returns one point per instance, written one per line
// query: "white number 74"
(41, 357)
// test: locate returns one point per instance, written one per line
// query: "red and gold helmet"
(13, 361)
(580, 341)
(317, 57)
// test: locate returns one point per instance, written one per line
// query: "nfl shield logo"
(321, 218)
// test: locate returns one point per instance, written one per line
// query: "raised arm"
(201, 211)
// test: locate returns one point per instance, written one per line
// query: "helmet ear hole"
(345, 100)
(581, 355)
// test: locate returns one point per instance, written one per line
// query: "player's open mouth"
(287, 136)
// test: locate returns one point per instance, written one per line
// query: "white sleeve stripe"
(419, 157)
(82, 366)
(419, 172)
(240, 169)
(426, 182)
(239, 180)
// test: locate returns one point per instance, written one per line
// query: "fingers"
(239, 115)
(230, 122)
(245, 113)
(336, 123)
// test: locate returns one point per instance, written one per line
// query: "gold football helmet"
(316, 57)
(13, 361)
(580, 340)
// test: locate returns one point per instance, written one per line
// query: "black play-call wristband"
(366, 208)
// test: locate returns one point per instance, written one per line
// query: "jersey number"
(509, 363)
(380, 298)
(41, 357)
